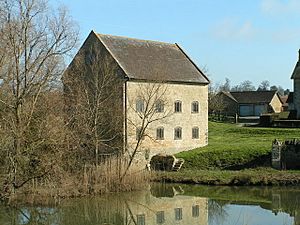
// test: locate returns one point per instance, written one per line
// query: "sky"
(252, 40)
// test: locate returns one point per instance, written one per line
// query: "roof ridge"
(112, 54)
(136, 39)
(141, 59)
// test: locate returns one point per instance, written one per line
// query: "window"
(140, 219)
(195, 107)
(139, 133)
(177, 133)
(178, 106)
(195, 211)
(140, 107)
(160, 133)
(178, 214)
(160, 217)
(195, 133)
(159, 106)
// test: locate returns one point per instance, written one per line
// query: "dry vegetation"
(45, 148)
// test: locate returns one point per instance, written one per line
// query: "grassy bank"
(259, 176)
(234, 147)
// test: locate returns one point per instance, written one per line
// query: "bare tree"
(264, 86)
(93, 89)
(149, 105)
(225, 86)
(244, 86)
(36, 40)
(278, 88)
(217, 104)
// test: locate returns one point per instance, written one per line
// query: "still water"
(167, 204)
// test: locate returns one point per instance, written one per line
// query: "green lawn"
(232, 146)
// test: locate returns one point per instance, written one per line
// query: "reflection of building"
(184, 210)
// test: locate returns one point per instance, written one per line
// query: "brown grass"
(93, 180)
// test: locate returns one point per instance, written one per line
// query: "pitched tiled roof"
(251, 97)
(152, 60)
(284, 100)
(228, 94)
(296, 72)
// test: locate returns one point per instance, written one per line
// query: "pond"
(166, 204)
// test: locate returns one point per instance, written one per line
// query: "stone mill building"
(154, 81)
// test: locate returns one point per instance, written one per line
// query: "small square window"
(195, 107)
(160, 217)
(178, 106)
(159, 106)
(140, 106)
(195, 133)
(160, 133)
(195, 211)
(178, 214)
(178, 133)
(140, 219)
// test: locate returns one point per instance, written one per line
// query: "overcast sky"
(243, 40)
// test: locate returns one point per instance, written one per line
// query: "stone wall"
(186, 119)
(286, 155)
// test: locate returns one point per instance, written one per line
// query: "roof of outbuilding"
(251, 97)
(228, 94)
(152, 60)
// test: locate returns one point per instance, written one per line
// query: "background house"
(153, 81)
(250, 103)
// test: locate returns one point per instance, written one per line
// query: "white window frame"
(141, 219)
(177, 133)
(178, 214)
(178, 106)
(160, 217)
(195, 107)
(195, 133)
(159, 106)
(160, 133)
(195, 211)
(140, 105)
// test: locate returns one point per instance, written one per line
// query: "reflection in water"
(250, 205)
(140, 208)
(169, 204)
